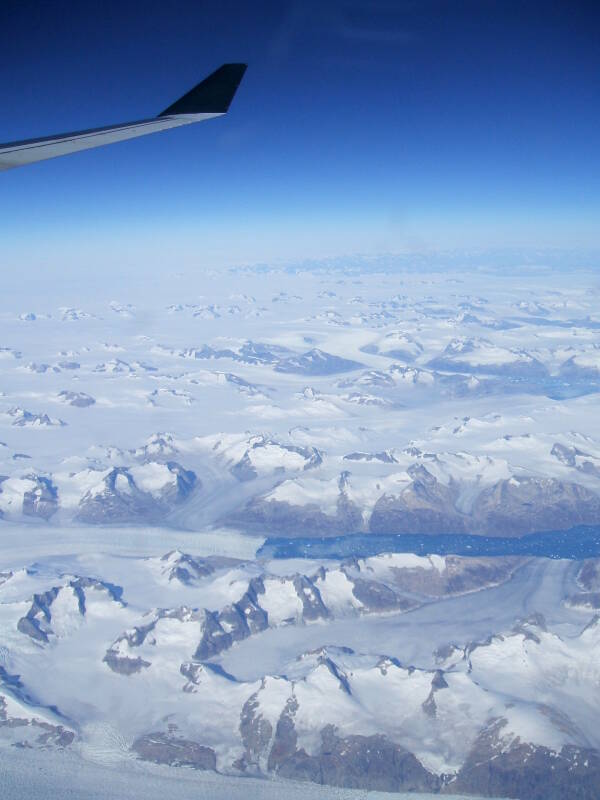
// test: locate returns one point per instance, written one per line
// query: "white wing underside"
(18, 154)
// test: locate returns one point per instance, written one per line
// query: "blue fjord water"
(575, 543)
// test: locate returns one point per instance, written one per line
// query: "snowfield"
(153, 436)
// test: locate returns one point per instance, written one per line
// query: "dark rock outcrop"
(77, 399)
(36, 623)
(185, 568)
(256, 733)
(376, 596)
(42, 499)
(317, 362)
(589, 601)
(523, 770)
(424, 506)
(589, 575)
(373, 763)
(121, 500)
(312, 603)
(214, 639)
(166, 748)
(518, 507)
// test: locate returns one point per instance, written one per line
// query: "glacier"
(269, 529)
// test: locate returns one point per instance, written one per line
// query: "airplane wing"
(210, 98)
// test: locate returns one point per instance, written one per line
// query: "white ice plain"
(154, 435)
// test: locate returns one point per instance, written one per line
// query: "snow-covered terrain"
(435, 403)
(153, 435)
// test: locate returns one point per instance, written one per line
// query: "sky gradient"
(359, 127)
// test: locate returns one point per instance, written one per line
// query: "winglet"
(213, 95)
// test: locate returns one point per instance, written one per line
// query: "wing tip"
(213, 95)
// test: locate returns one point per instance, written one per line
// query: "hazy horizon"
(404, 127)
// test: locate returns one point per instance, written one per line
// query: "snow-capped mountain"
(204, 489)
(332, 714)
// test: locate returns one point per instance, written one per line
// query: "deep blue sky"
(359, 127)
